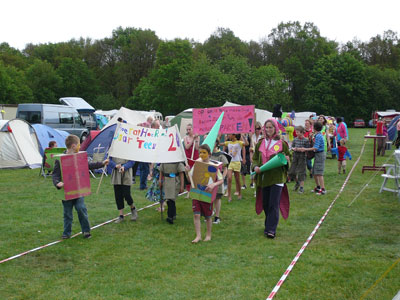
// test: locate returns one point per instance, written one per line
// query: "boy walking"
(299, 164)
(72, 143)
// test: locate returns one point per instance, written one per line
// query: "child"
(72, 143)
(299, 165)
(319, 160)
(121, 178)
(219, 156)
(172, 181)
(235, 149)
(342, 153)
(204, 208)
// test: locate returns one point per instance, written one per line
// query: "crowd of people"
(240, 155)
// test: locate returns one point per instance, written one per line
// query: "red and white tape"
(79, 233)
(296, 258)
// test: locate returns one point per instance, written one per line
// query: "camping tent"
(45, 134)
(131, 116)
(102, 141)
(19, 146)
(182, 119)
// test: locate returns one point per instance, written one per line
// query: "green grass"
(151, 259)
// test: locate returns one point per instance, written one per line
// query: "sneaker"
(119, 220)
(296, 186)
(133, 180)
(170, 220)
(244, 187)
(217, 220)
(64, 236)
(315, 190)
(321, 192)
(301, 190)
(252, 185)
(134, 214)
(87, 235)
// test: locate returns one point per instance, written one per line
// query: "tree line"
(294, 66)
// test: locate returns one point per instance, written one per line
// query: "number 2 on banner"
(171, 147)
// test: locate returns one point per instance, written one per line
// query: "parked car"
(60, 117)
(359, 123)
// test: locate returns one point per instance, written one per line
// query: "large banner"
(146, 144)
(75, 174)
(237, 119)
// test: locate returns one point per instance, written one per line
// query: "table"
(374, 167)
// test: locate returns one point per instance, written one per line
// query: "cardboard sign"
(204, 174)
(237, 119)
(50, 157)
(75, 174)
(147, 145)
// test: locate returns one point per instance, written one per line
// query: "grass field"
(151, 259)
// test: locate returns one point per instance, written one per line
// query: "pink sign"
(237, 119)
(75, 174)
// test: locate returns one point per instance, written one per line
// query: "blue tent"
(392, 129)
(102, 142)
(101, 121)
(45, 134)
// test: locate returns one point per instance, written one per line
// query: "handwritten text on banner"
(237, 119)
(147, 144)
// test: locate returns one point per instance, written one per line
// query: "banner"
(75, 174)
(147, 144)
(204, 174)
(237, 119)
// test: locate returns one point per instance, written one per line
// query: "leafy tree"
(337, 87)
(135, 51)
(13, 89)
(12, 57)
(294, 49)
(224, 42)
(77, 79)
(44, 82)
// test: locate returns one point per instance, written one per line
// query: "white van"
(60, 117)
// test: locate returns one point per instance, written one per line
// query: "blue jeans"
(144, 172)
(80, 207)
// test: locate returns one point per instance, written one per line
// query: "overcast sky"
(44, 21)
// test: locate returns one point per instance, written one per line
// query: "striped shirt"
(319, 143)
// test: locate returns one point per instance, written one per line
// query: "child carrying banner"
(72, 143)
(206, 186)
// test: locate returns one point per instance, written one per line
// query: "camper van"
(60, 117)
(85, 110)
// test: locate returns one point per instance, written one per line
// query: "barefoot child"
(203, 208)
(72, 143)
(172, 182)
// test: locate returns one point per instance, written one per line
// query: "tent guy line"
(300, 252)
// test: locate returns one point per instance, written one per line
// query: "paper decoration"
(204, 174)
(212, 136)
(75, 174)
(237, 119)
(50, 157)
(147, 145)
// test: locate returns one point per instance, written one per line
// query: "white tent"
(19, 146)
(134, 117)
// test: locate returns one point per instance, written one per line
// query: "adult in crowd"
(325, 132)
(270, 184)
(191, 143)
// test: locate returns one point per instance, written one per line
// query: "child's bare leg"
(209, 226)
(339, 166)
(237, 181)
(197, 228)
(229, 185)
(217, 207)
(302, 183)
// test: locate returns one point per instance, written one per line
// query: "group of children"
(171, 177)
